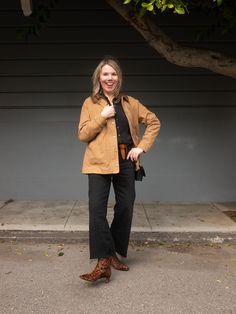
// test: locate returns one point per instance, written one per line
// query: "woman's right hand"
(108, 112)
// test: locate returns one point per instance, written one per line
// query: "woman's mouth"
(110, 83)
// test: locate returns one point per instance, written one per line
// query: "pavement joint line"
(146, 215)
(219, 207)
(6, 203)
(70, 213)
(213, 205)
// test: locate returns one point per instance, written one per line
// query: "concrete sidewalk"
(157, 222)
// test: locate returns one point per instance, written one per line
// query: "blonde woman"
(109, 124)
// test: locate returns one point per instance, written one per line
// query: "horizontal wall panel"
(75, 50)
(119, 33)
(10, 5)
(223, 116)
(139, 83)
(80, 17)
(83, 33)
(179, 83)
(78, 13)
(83, 67)
(35, 100)
(62, 4)
(39, 115)
(75, 14)
(183, 33)
(76, 17)
(181, 165)
(152, 99)
(85, 50)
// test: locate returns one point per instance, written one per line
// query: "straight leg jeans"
(105, 240)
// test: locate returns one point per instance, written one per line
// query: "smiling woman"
(108, 80)
(109, 124)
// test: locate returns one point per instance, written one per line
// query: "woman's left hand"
(134, 153)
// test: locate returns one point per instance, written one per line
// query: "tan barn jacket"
(101, 154)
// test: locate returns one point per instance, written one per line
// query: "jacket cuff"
(100, 120)
(144, 146)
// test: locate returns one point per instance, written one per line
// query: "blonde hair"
(96, 92)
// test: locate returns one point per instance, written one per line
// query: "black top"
(122, 125)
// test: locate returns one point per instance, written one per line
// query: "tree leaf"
(150, 7)
(179, 10)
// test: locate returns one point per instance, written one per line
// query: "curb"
(141, 237)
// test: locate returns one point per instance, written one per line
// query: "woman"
(109, 124)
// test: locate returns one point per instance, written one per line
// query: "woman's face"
(108, 79)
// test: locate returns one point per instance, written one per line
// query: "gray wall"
(43, 83)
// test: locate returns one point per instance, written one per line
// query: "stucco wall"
(43, 82)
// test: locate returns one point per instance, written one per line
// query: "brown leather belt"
(124, 149)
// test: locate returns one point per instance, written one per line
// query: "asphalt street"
(167, 279)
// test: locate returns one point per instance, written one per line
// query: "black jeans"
(105, 240)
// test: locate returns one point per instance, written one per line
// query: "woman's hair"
(96, 93)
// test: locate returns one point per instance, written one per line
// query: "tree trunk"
(172, 51)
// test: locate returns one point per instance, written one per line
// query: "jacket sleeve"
(89, 126)
(152, 123)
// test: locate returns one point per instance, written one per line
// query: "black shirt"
(122, 125)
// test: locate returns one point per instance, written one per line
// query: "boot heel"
(102, 270)
(107, 275)
(107, 279)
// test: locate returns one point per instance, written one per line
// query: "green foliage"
(176, 6)
(219, 2)
(221, 12)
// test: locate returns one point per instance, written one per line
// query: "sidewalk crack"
(146, 215)
(70, 213)
(6, 203)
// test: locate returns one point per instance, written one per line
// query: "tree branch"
(171, 50)
(26, 6)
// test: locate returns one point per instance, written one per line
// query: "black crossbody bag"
(139, 174)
